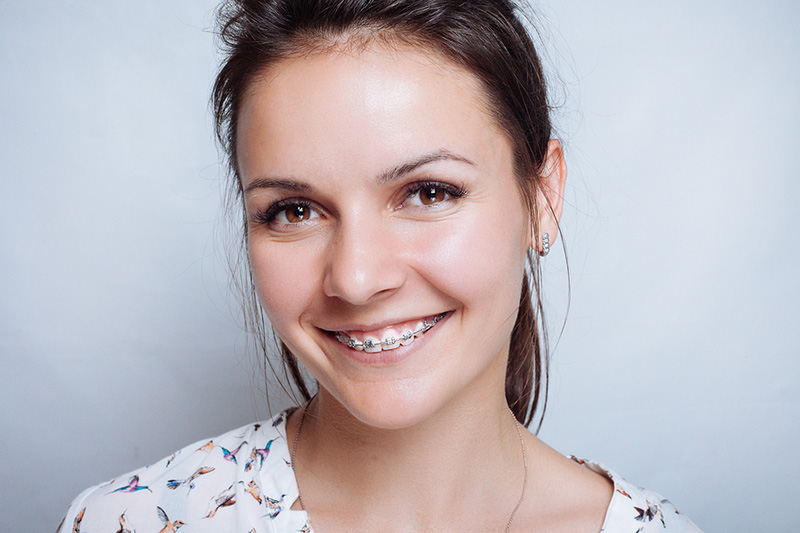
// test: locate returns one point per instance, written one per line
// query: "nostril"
(358, 272)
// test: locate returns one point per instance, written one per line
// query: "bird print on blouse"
(278, 420)
(169, 526)
(207, 447)
(253, 490)
(230, 455)
(260, 454)
(171, 458)
(275, 506)
(226, 498)
(123, 525)
(132, 486)
(652, 512)
(189, 481)
(76, 524)
(198, 471)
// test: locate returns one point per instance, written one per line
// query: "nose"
(363, 263)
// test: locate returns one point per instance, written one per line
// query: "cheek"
(476, 260)
(284, 279)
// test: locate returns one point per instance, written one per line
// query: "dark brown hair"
(485, 37)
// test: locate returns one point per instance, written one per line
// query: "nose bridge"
(361, 261)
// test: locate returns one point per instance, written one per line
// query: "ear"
(550, 194)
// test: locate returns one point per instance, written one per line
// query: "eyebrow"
(277, 183)
(410, 166)
(385, 177)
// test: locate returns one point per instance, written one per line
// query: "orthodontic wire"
(352, 343)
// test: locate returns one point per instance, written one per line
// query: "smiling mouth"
(391, 338)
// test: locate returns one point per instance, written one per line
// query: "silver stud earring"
(545, 245)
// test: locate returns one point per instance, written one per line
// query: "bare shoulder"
(564, 496)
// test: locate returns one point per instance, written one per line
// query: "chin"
(395, 405)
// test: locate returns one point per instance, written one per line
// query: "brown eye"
(431, 195)
(297, 214)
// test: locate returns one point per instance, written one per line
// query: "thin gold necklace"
(510, 518)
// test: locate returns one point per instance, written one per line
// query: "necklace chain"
(510, 518)
(524, 470)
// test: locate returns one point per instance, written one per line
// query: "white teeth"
(372, 344)
(407, 338)
(391, 340)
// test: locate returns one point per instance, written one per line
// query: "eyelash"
(269, 215)
(451, 190)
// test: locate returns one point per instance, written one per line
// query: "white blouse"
(243, 481)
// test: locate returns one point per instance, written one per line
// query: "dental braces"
(352, 343)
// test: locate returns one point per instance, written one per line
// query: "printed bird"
(171, 458)
(261, 453)
(169, 527)
(306, 528)
(207, 447)
(667, 502)
(76, 525)
(279, 419)
(255, 428)
(189, 481)
(253, 489)
(132, 486)
(230, 455)
(623, 492)
(653, 511)
(123, 525)
(226, 498)
(275, 506)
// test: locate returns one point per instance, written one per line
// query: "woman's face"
(380, 194)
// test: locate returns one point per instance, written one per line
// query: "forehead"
(349, 108)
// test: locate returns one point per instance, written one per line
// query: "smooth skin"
(380, 190)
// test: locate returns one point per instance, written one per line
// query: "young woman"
(399, 184)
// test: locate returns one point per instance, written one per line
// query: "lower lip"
(388, 357)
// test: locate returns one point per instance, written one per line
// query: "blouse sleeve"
(72, 520)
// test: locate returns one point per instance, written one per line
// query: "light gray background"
(678, 366)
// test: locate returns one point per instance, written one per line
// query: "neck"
(467, 452)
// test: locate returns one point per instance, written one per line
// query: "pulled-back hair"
(486, 38)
